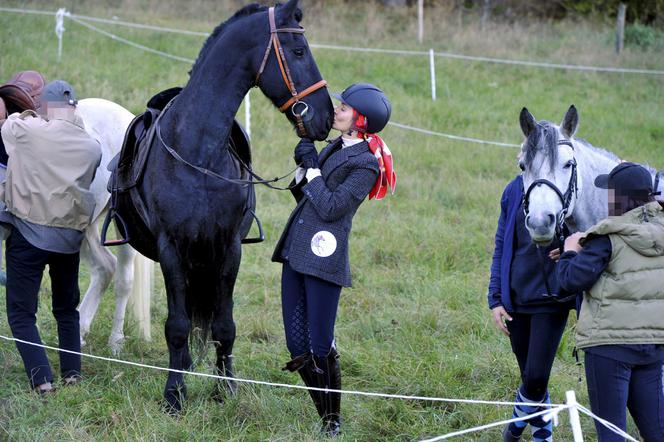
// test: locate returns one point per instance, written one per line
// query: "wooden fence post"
(420, 20)
(620, 28)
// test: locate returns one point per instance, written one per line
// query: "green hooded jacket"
(626, 304)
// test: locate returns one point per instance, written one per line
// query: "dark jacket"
(499, 283)
(517, 273)
(318, 229)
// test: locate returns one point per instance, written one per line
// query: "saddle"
(21, 93)
(128, 166)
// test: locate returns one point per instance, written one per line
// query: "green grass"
(416, 320)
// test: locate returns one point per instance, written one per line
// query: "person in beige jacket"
(47, 204)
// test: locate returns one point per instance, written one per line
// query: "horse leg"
(177, 326)
(102, 267)
(4, 233)
(223, 326)
(124, 276)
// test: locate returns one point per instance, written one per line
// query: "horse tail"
(141, 291)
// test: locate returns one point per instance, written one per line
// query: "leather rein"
(566, 200)
(296, 96)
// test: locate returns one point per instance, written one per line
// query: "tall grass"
(416, 320)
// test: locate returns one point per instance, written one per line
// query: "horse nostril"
(528, 220)
(551, 218)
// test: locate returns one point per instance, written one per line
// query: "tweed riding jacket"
(318, 229)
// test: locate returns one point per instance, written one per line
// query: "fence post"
(620, 28)
(432, 67)
(574, 416)
(60, 28)
(420, 20)
(247, 113)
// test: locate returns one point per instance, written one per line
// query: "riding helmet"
(369, 101)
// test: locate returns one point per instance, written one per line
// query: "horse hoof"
(115, 343)
(173, 400)
(3, 278)
(223, 390)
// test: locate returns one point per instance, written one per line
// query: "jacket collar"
(334, 155)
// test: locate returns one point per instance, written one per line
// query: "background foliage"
(416, 320)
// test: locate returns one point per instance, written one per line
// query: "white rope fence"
(247, 102)
(549, 414)
(451, 55)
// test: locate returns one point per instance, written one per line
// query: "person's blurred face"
(343, 118)
(618, 203)
(56, 110)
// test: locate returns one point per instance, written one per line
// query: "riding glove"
(305, 154)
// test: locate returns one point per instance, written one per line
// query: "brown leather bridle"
(285, 73)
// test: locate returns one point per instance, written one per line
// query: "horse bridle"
(296, 96)
(566, 200)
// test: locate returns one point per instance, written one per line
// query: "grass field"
(416, 320)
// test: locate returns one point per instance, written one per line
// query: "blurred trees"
(648, 12)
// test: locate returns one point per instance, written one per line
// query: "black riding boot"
(304, 365)
(328, 373)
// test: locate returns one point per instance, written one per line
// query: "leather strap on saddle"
(22, 92)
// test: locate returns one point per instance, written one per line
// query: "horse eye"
(298, 51)
(568, 164)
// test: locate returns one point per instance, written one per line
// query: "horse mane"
(603, 152)
(241, 13)
(544, 139)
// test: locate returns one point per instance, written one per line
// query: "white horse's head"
(549, 174)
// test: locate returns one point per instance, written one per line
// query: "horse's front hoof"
(224, 389)
(173, 400)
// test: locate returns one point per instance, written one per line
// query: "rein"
(566, 200)
(208, 172)
(286, 74)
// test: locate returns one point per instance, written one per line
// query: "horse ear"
(570, 122)
(287, 11)
(527, 121)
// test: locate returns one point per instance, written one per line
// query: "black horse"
(190, 219)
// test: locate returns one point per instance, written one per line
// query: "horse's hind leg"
(223, 325)
(4, 234)
(102, 266)
(177, 325)
(124, 277)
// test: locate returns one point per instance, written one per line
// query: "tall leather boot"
(304, 365)
(329, 376)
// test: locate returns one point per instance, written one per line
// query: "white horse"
(558, 177)
(131, 272)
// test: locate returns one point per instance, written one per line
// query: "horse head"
(548, 162)
(286, 72)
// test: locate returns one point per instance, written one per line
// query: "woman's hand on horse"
(572, 242)
(305, 154)
(500, 315)
(554, 254)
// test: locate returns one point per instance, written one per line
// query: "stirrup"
(261, 234)
(121, 228)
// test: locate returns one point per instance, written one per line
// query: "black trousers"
(535, 339)
(309, 308)
(615, 386)
(25, 267)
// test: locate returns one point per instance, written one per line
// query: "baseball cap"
(59, 91)
(626, 177)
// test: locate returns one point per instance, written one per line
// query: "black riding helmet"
(369, 101)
